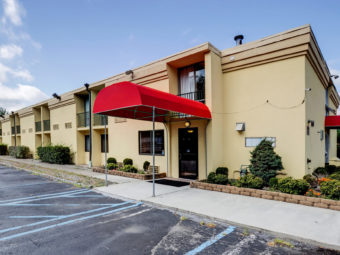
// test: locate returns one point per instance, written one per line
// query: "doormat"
(171, 182)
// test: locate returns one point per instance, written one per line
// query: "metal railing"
(197, 95)
(100, 120)
(83, 119)
(38, 126)
(47, 125)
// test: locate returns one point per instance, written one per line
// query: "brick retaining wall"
(130, 175)
(271, 195)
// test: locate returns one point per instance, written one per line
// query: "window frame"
(102, 146)
(195, 65)
(150, 154)
(260, 137)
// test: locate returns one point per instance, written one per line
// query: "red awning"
(129, 100)
(332, 121)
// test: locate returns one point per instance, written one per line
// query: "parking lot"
(39, 216)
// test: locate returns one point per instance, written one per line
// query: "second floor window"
(192, 82)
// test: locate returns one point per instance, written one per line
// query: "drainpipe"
(90, 123)
(167, 149)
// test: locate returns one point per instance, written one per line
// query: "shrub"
(320, 171)
(111, 160)
(19, 151)
(55, 154)
(264, 162)
(129, 168)
(331, 189)
(330, 169)
(221, 179)
(111, 166)
(146, 165)
(222, 170)
(250, 181)
(335, 176)
(293, 186)
(312, 180)
(3, 149)
(128, 161)
(273, 183)
(211, 177)
(141, 172)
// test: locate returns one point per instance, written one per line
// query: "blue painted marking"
(45, 195)
(69, 222)
(62, 217)
(211, 241)
(38, 183)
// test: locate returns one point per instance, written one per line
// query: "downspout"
(167, 149)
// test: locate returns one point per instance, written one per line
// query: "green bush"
(273, 182)
(19, 151)
(146, 165)
(330, 169)
(320, 171)
(3, 149)
(130, 169)
(141, 172)
(111, 160)
(211, 177)
(293, 186)
(335, 176)
(128, 161)
(222, 170)
(250, 181)
(221, 179)
(264, 162)
(111, 166)
(312, 180)
(55, 154)
(331, 189)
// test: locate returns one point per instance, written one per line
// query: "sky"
(49, 46)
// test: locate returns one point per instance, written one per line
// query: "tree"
(265, 163)
(3, 111)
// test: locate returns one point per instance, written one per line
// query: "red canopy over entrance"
(332, 121)
(129, 100)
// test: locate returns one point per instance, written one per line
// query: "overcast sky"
(49, 46)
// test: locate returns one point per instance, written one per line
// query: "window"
(254, 141)
(145, 142)
(102, 143)
(87, 143)
(192, 81)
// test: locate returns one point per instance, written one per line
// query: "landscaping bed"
(130, 175)
(271, 195)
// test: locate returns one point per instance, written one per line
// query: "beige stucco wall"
(6, 133)
(28, 138)
(245, 96)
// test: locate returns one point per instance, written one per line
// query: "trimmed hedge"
(55, 154)
(331, 189)
(292, 186)
(250, 181)
(146, 165)
(127, 161)
(19, 151)
(129, 168)
(222, 170)
(3, 149)
(111, 160)
(112, 166)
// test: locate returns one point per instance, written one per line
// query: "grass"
(78, 180)
(281, 243)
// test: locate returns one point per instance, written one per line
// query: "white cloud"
(13, 12)
(5, 71)
(10, 51)
(20, 96)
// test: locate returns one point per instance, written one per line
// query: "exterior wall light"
(335, 76)
(128, 72)
(187, 124)
(55, 95)
(240, 126)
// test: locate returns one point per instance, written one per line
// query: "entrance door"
(188, 152)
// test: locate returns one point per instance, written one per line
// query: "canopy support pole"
(153, 151)
(105, 148)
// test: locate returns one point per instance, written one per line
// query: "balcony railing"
(197, 95)
(47, 125)
(83, 119)
(17, 128)
(100, 120)
(38, 126)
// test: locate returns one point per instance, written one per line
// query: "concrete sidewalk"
(314, 224)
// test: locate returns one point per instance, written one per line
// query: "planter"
(271, 195)
(130, 175)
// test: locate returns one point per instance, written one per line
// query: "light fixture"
(240, 126)
(187, 124)
(335, 76)
(87, 86)
(128, 72)
(55, 95)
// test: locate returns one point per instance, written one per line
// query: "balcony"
(197, 95)
(83, 119)
(38, 126)
(47, 125)
(100, 120)
(17, 129)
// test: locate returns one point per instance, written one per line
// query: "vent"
(24, 131)
(7, 133)
(68, 125)
(56, 126)
(30, 130)
(120, 120)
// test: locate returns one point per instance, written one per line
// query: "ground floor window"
(87, 143)
(145, 142)
(102, 143)
(254, 141)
